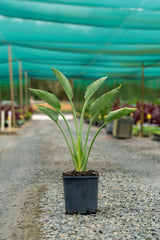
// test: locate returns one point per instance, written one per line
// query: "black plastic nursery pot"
(81, 194)
(156, 136)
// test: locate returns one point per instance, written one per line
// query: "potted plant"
(122, 127)
(80, 185)
(156, 135)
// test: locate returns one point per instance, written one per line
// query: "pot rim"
(94, 176)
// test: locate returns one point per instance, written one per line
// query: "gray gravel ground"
(31, 196)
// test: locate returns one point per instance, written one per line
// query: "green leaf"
(50, 98)
(113, 115)
(64, 83)
(102, 101)
(92, 88)
(49, 112)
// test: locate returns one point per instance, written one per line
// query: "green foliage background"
(130, 91)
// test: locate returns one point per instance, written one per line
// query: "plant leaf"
(64, 83)
(49, 112)
(92, 88)
(100, 102)
(113, 115)
(50, 98)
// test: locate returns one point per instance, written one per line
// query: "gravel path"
(31, 196)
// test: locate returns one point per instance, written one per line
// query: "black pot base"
(76, 213)
(81, 194)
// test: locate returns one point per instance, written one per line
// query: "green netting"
(5, 90)
(12, 30)
(92, 16)
(145, 4)
(83, 39)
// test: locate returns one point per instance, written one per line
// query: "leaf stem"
(77, 132)
(71, 135)
(74, 161)
(86, 139)
(90, 147)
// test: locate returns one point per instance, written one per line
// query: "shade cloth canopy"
(83, 39)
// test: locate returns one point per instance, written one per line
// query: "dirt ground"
(36, 155)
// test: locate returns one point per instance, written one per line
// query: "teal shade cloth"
(83, 39)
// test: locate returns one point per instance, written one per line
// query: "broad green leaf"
(64, 83)
(92, 88)
(49, 112)
(113, 115)
(102, 101)
(50, 98)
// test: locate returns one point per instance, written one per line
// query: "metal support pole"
(11, 85)
(142, 101)
(157, 87)
(20, 87)
(26, 91)
(29, 92)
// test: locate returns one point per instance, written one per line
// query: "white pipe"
(9, 119)
(2, 120)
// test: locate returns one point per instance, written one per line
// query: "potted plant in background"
(80, 185)
(122, 127)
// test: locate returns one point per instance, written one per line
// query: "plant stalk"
(74, 161)
(77, 132)
(90, 147)
(86, 140)
(71, 135)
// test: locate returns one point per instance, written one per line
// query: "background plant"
(150, 108)
(148, 130)
(20, 116)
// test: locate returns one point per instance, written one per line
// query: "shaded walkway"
(35, 158)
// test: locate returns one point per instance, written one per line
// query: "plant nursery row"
(151, 116)
(21, 115)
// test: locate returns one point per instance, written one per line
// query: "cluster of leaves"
(20, 116)
(79, 150)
